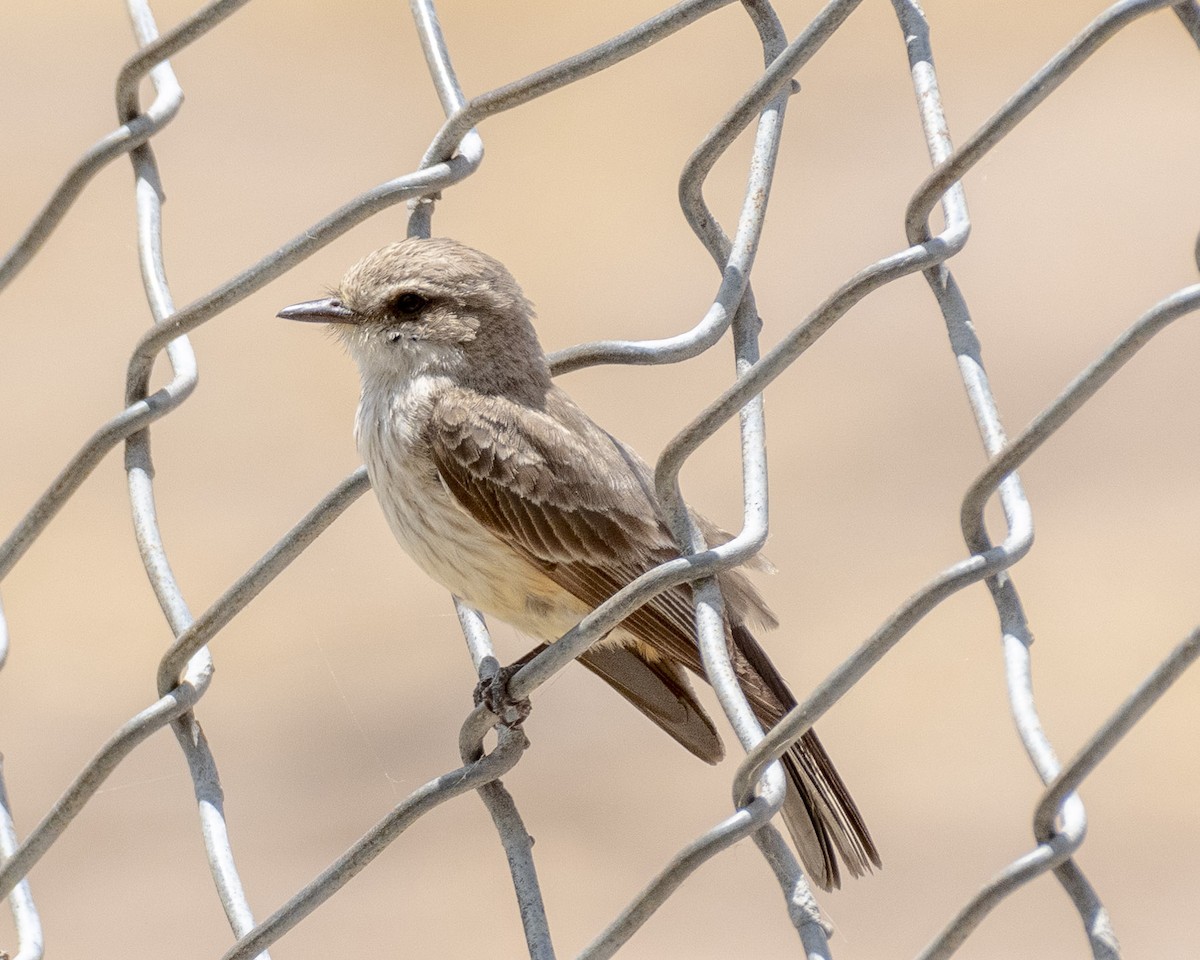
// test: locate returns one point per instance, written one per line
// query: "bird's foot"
(492, 693)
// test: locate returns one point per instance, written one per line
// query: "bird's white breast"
(443, 539)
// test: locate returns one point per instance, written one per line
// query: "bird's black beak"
(329, 310)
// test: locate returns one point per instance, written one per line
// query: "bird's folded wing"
(565, 495)
(662, 692)
(577, 504)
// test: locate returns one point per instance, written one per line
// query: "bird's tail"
(819, 812)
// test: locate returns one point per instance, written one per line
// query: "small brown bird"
(508, 495)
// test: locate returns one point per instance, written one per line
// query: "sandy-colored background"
(342, 687)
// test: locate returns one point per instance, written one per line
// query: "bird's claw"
(492, 693)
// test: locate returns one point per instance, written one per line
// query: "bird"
(509, 495)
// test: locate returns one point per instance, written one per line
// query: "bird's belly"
(457, 552)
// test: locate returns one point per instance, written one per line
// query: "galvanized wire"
(455, 152)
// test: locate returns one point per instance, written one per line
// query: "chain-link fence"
(454, 155)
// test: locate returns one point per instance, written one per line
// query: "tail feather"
(808, 833)
(825, 808)
(819, 812)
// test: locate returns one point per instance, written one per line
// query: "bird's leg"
(492, 689)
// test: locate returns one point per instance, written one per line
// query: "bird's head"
(436, 307)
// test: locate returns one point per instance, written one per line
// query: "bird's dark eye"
(408, 304)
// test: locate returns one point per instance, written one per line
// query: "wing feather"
(578, 505)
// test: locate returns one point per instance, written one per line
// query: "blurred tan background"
(342, 687)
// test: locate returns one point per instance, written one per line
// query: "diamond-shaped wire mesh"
(750, 138)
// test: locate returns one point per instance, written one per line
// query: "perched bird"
(506, 493)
